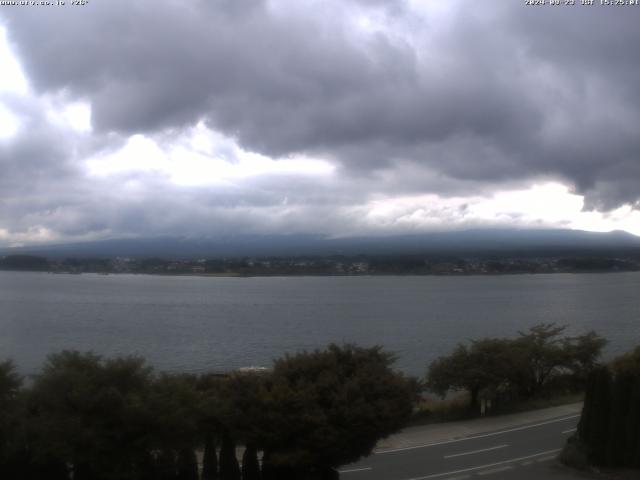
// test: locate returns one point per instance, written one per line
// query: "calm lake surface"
(201, 323)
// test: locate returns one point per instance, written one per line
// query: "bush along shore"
(89, 418)
(84, 417)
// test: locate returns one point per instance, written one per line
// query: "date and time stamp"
(45, 3)
(584, 3)
(530, 3)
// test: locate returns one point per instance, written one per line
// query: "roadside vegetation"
(90, 418)
(85, 417)
(539, 367)
(608, 434)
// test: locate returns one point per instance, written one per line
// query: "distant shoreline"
(336, 265)
(309, 275)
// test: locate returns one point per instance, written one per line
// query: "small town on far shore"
(322, 265)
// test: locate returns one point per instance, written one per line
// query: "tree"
(187, 465)
(239, 404)
(632, 457)
(627, 363)
(91, 413)
(544, 353)
(10, 384)
(229, 468)
(609, 428)
(599, 419)
(326, 408)
(211, 401)
(524, 366)
(582, 354)
(250, 464)
(486, 365)
(619, 413)
(173, 407)
(209, 459)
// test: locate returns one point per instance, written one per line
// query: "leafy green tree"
(583, 353)
(544, 351)
(213, 404)
(546, 356)
(173, 405)
(326, 408)
(519, 367)
(628, 363)
(239, 404)
(10, 383)
(91, 413)
(485, 364)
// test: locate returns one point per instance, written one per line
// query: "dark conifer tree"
(250, 464)
(619, 414)
(267, 470)
(187, 465)
(586, 419)
(83, 471)
(229, 468)
(210, 459)
(609, 426)
(599, 421)
(167, 468)
(632, 454)
(148, 467)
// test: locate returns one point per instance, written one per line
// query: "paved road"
(524, 452)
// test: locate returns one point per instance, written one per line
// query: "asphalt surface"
(523, 452)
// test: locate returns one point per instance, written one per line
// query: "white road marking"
(353, 470)
(475, 437)
(461, 477)
(546, 459)
(480, 467)
(570, 430)
(495, 470)
(476, 451)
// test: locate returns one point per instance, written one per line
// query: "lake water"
(204, 323)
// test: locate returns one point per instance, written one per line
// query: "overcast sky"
(341, 117)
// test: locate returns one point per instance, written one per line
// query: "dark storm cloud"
(593, 104)
(42, 182)
(489, 93)
(33, 163)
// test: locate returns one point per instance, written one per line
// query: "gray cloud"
(494, 94)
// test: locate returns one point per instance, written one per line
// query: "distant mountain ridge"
(525, 242)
